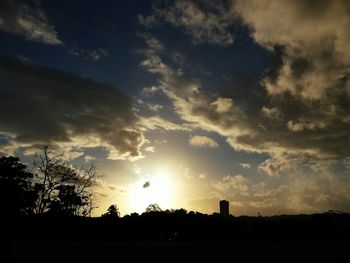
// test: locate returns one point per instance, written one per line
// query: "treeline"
(180, 226)
(52, 186)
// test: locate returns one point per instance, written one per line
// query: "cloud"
(300, 192)
(346, 119)
(275, 165)
(23, 58)
(293, 116)
(155, 107)
(40, 105)
(196, 108)
(202, 176)
(230, 183)
(157, 122)
(309, 91)
(223, 105)
(149, 90)
(285, 161)
(150, 149)
(89, 158)
(205, 22)
(245, 165)
(193, 106)
(104, 189)
(160, 141)
(298, 113)
(288, 123)
(202, 141)
(93, 55)
(314, 36)
(301, 126)
(26, 18)
(97, 54)
(300, 133)
(272, 113)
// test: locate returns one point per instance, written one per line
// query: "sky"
(184, 103)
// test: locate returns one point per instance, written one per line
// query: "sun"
(155, 189)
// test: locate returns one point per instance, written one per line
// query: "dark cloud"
(40, 105)
(93, 55)
(26, 18)
(146, 184)
(204, 21)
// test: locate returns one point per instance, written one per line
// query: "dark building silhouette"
(224, 207)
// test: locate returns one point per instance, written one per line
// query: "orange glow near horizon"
(172, 185)
(161, 191)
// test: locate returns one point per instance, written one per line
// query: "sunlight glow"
(160, 191)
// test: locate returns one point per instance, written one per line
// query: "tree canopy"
(17, 196)
(55, 187)
(112, 212)
(153, 208)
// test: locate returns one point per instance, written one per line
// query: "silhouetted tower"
(224, 208)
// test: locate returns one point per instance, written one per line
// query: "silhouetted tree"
(112, 212)
(153, 208)
(66, 201)
(17, 196)
(180, 211)
(62, 188)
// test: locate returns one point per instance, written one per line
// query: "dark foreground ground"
(177, 236)
(62, 252)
